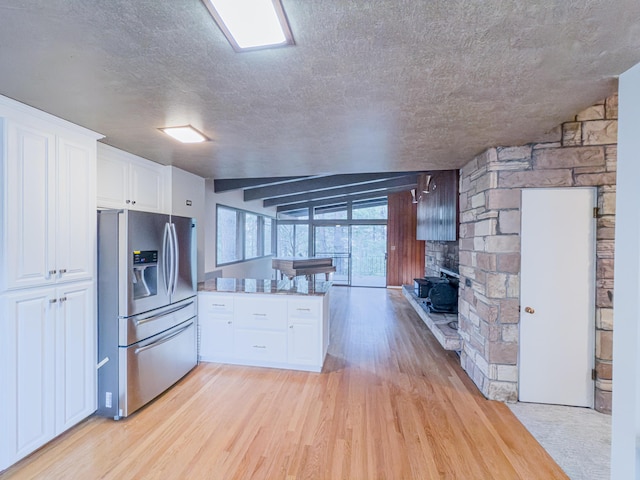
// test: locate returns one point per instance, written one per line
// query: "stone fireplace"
(581, 152)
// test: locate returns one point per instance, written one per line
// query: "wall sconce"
(413, 196)
(426, 188)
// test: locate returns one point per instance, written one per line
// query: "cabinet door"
(215, 316)
(75, 355)
(76, 219)
(303, 343)
(216, 338)
(29, 250)
(27, 373)
(147, 187)
(112, 181)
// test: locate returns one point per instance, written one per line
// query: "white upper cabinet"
(128, 181)
(49, 206)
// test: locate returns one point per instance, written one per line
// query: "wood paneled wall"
(438, 209)
(405, 254)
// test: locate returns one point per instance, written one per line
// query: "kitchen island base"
(264, 323)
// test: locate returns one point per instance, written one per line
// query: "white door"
(146, 187)
(303, 342)
(557, 298)
(112, 179)
(27, 372)
(75, 354)
(76, 215)
(29, 251)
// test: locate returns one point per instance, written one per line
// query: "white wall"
(260, 268)
(189, 188)
(625, 449)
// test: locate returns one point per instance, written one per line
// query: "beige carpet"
(578, 439)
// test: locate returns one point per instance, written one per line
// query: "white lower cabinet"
(47, 361)
(284, 331)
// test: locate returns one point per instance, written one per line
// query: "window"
(241, 235)
(293, 240)
(227, 236)
(300, 214)
(331, 212)
(370, 209)
(250, 235)
(267, 236)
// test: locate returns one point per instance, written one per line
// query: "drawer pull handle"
(259, 314)
(259, 346)
(229, 322)
(218, 305)
(303, 309)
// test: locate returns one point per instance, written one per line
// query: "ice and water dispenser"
(145, 273)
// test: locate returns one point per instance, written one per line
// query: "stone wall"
(577, 153)
(440, 254)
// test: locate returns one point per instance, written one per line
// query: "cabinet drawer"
(215, 304)
(261, 345)
(305, 308)
(262, 313)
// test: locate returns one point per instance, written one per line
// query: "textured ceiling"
(388, 85)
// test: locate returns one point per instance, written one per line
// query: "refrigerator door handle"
(166, 259)
(162, 340)
(143, 320)
(176, 256)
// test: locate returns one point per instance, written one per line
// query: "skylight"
(251, 24)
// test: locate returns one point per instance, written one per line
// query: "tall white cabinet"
(47, 286)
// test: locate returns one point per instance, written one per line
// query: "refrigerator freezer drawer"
(149, 367)
(136, 328)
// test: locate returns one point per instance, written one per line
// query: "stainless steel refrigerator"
(146, 307)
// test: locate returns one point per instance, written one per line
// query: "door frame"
(526, 317)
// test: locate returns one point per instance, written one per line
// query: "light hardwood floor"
(389, 404)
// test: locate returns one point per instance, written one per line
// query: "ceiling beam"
(329, 201)
(403, 181)
(226, 184)
(316, 184)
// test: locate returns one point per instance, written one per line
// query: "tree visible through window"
(241, 235)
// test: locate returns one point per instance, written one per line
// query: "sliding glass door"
(333, 241)
(358, 251)
(368, 255)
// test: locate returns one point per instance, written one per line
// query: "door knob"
(529, 310)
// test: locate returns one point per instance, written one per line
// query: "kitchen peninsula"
(265, 323)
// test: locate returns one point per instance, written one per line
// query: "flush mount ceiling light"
(186, 134)
(251, 24)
